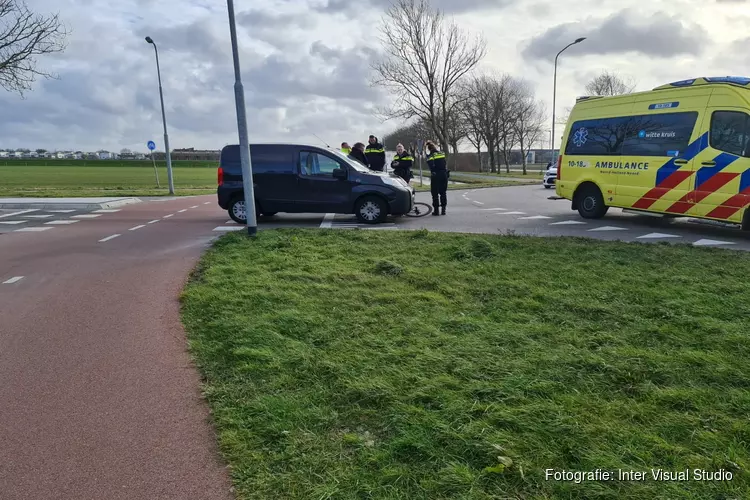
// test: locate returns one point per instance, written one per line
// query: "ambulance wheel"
(590, 202)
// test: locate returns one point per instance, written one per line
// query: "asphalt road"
(100, 399)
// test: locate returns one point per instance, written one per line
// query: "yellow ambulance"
(679, 150)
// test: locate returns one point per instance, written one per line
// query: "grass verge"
(333, 372)
(82, 181)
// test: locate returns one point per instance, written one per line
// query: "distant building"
(4, 154)
(104, 155)
(190, 154)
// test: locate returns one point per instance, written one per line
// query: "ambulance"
(678, 150)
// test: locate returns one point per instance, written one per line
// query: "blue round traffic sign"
(151, 145)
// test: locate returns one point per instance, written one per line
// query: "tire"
(371, 210)
(590, 203)
(547, 187)
(237, 211)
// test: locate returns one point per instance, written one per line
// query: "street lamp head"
(580, 40)
(149, 40)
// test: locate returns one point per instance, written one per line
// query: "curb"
(78, 205)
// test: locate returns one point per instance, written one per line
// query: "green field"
(102, 179)
(416, 365)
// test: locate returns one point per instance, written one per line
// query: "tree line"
(429, 67)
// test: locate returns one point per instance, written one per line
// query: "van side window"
(664, 134)
(729, 132)
(317, 164)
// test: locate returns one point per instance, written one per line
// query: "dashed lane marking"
(478, 203)
(168, 216)
(608, 228)
(87, 216)
(61, 222)
(654, 236)
(59, 211)
(14, 279)
(137, 227)
(194, 206)
(108, 238)
(19, 213)
(511, 213)
(12, 222)
(31, 229)
(154, 221)
(46, 216)
(207, 202)
(567, 223)
(183, 210)
(535, 217)
(228, 228)
(107, 211)
(492, 209)
(711, 243)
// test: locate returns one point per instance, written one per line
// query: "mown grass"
(64, 181)
(417, 365)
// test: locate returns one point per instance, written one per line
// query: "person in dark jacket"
(358, 153)
(375, 154)
(402, 163)
(438, 178)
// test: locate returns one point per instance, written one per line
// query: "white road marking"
(19, 213)
(108, 238)
(206, 203)
(87, 216)
(710, 243)
(194, 206)
(230, 221)
(183, 210)
(491, 209)
(61, 222)
(229, 228)
(535, 217)
(12, 222)
(477, 203)
(137, 227)
(154, 221)
(327, 221)
(59, 211)
(107, 211)
(512, 213)
(168, 216)
(31, 229)
(653, 236)
(14, 279)
(38, 216)
(608, 228)
(567, 223)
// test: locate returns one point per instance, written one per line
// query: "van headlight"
(395, 182)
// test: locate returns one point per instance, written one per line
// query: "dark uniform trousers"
(439, 188)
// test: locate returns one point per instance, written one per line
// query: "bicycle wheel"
(419, 210)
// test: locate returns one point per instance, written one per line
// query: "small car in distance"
(548, 181)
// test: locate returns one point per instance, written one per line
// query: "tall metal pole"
(156, 172)
(239, 97)
(164, 121)
(554, 96)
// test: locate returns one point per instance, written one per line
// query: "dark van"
(298, 178)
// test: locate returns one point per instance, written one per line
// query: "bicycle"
(419, 210)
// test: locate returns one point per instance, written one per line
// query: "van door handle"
(680, 162)
(709, 163)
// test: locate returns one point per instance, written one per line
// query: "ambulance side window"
(729, 132)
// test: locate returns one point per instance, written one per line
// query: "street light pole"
(554, 96)
(239, 98)
(164, 120)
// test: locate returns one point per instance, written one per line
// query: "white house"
(34, 154)
(59, 155)
(3, 154)
(104, 155)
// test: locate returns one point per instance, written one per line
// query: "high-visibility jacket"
(436, 162)
(375, 156)
(346, 151)
(404, 161)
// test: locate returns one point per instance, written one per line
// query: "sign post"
(151, 146)
(420, 152)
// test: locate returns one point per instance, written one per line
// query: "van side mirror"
(340, 173)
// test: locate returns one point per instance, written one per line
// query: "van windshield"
(353, 163)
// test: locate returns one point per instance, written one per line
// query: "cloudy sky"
(306, 63)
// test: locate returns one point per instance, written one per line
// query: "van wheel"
(371, 210)
(590, 203)
(237, 211)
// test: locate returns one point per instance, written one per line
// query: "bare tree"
(471, 111)
(529, 124)
(408, 135)
(25, 35)
(424, 60)
(609, 84)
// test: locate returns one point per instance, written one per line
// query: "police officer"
(345, 148)
(375, 154)
(438, 178)
(402, 163)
